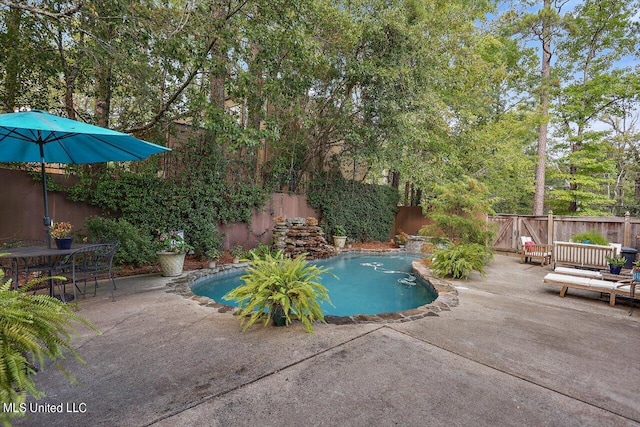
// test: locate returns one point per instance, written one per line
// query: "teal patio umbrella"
(39, 137)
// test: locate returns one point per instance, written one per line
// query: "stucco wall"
(22, 212)
(22, 207)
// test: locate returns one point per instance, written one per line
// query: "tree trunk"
(12, 80)
(538, 198)
(104, 71)
(103, 93)
(217, 91)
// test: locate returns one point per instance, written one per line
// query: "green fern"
(33, 328)
(273, 280)
(458, 261)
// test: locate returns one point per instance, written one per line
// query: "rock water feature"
(415, 244)
(296, 236)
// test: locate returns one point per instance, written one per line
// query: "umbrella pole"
(47, 219)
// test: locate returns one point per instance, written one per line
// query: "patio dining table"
(21, 256)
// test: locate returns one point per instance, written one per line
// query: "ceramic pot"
(64, 243)
(171, 263)
(615, 269)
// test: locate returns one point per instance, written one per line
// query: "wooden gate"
(535, 227)
(509, 228)
(505, 226)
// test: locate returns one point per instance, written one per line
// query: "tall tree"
(544, 25)
(599, 35)
(545, 39)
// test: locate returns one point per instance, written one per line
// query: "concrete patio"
(511, 353)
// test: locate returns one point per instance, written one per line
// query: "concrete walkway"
(512, 353)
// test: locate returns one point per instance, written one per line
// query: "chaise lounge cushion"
(591, 284)
(592, 274)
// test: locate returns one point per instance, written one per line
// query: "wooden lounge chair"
(590, 284)
(530, 250)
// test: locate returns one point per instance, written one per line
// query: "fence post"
(550, 228)
(626, 233)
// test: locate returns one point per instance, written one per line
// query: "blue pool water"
(365, 284)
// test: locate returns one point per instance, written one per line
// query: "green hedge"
(212, 188)
(366, 211)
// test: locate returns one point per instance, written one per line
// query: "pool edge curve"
(446, 299)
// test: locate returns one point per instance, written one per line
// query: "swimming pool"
(364, 284)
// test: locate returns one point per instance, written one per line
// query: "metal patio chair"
(88, 263)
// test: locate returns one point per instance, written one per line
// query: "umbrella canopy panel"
(37, 136)
(23, 134)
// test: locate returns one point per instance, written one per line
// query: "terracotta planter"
(171, 263)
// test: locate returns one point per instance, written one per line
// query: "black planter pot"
(277, 314)
(64, 243)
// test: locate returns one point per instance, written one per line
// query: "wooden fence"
(21, 217)
(550, 228)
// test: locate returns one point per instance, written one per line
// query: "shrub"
(207, 189)
(136, 246)
(590, 236)
(459, 260)
(458, 211)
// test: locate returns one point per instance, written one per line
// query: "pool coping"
(447, 294)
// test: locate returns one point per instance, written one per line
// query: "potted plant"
(61, 233)
(279, 289)
(35, 329)
(237, 252)
(339, 236)
(636, 271)
(615, 263)
(171, 253)
(591, 237)
(214, 257)
(402, 238)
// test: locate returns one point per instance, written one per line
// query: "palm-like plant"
(32, 328)
(272, 282)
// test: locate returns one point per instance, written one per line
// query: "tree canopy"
(421, 92)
